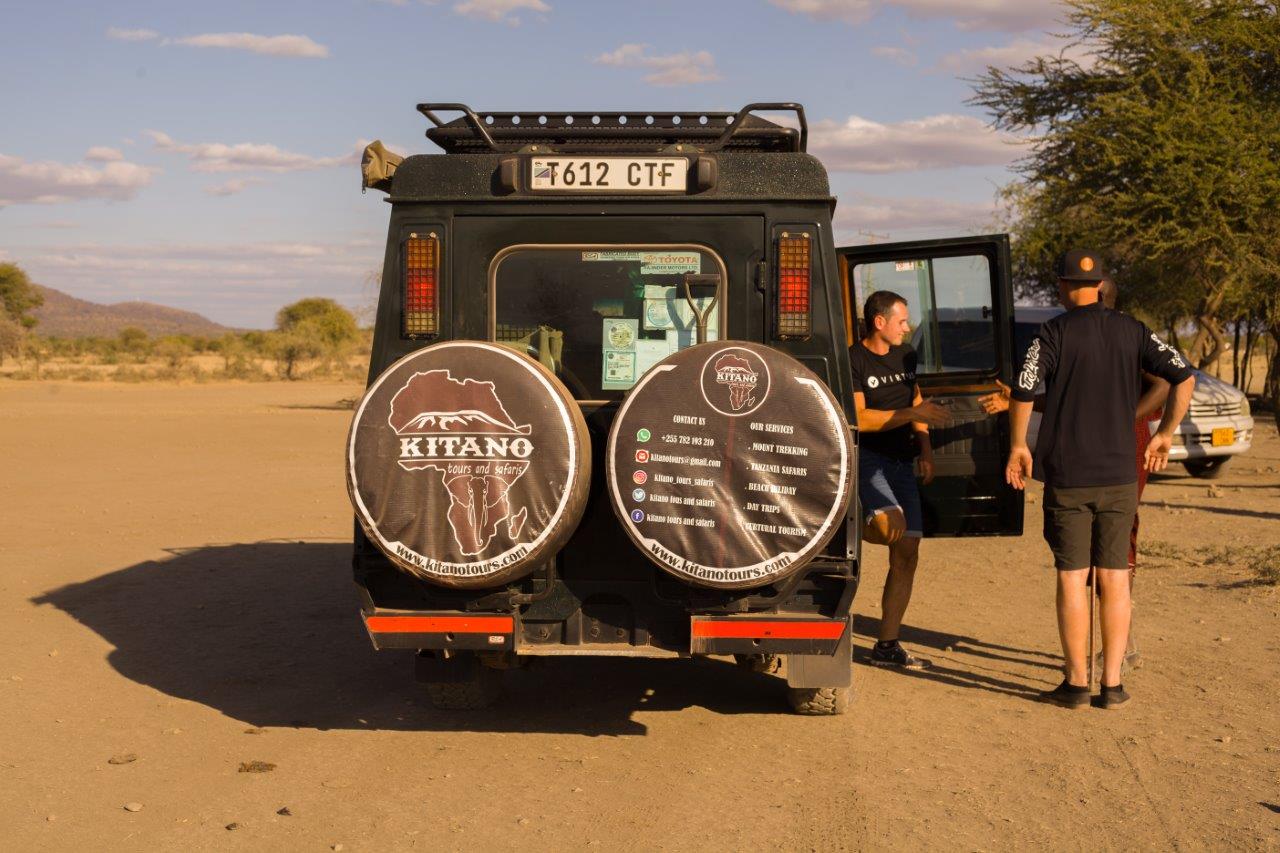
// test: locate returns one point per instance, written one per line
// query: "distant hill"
(64, 316)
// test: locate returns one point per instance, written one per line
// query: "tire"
(759, 663)
(819, 701)
(1207, 469)
(471, 695)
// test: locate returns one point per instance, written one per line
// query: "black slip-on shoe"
(1067, 695)
(1112, 698)
(896, 656)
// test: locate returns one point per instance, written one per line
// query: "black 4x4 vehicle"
(549, 460)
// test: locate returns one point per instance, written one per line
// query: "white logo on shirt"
(1175, 358)
(1030, 367)
(877, 381)
(873, 382)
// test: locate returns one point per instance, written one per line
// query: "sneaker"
(893, 654)
(1112, 698)
(1067, 695)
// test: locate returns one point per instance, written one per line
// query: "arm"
(1019, 467)
(926, 447)
(1039, 362)
(1156, 394)
(1175, 409)
(1165, 362)
(881, 420)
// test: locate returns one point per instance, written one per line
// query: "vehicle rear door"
(959, 294)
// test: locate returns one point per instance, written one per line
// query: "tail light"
(421, 286)
(792, 304)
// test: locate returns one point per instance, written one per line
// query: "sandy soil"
(175, 587)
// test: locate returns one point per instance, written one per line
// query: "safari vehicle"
(578, 241)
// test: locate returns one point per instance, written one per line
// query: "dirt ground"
(174, 583)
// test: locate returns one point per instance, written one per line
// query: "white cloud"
(499, 11)
(120, 34)
(233, 186)
(285, 45)
(900, 55)
(50, 182)
(103, 154)
(1014, 53)
(935, 142)
(860, 217)
(1007, 15)
(245, 156)
(672, 69)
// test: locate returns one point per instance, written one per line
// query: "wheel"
(1207, 469)
(473, 694)
(759, 663)
(819, 701)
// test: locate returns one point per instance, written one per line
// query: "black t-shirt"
(1091, 361)
(888, 382)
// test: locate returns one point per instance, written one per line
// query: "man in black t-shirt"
(1091, 361)
(893, 421)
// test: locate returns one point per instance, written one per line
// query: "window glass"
(600, 318)
(949, 301)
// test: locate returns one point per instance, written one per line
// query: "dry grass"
(1260, 561)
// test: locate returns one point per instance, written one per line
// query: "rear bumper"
(793, 634)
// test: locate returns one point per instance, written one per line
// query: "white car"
(1218, 425)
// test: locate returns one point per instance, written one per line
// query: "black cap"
(1082, 265)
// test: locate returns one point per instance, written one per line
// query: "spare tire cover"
(730, 464)
(468, 463)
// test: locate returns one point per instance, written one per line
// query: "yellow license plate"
(1224, 436)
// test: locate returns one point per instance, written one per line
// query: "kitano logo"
(461, 430)
(735, 381)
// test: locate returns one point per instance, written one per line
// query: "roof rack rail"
(616, 131)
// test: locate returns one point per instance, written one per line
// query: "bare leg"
(904, 555)
(1113, 585)
(1073, 623)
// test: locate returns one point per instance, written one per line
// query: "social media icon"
(637, 515)
(637, 495)
(643, 435)
(639, 477)
(642, 456)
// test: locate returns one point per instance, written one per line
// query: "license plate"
(1223, 436)
(609, 174)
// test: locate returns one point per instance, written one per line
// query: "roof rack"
(474, 133)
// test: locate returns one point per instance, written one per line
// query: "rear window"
(599, 317)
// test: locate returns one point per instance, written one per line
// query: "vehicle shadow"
(268, 633)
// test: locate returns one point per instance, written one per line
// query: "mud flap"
(834, 670)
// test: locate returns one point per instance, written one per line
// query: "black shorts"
(1090, 525)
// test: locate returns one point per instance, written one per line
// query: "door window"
(953, 327)
(599, 317)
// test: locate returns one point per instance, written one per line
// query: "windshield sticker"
(611, 256)
(619, 370)
(907, 266)
(670, 263)
(650, 352)
(657, 315)
(620, 334)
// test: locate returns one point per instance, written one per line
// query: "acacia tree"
(1155, 135)
(311, 328)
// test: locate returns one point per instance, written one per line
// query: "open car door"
(960, 297)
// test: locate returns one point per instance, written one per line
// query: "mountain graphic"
(435, 402)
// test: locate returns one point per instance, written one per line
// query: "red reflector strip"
(421, 280)
(793, 296)
(742, 629)
(440, 624)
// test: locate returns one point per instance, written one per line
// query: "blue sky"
(204, 155)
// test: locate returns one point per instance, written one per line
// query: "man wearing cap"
(1090, 359)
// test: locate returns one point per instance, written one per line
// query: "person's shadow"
(269, 633)
(993, 677)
